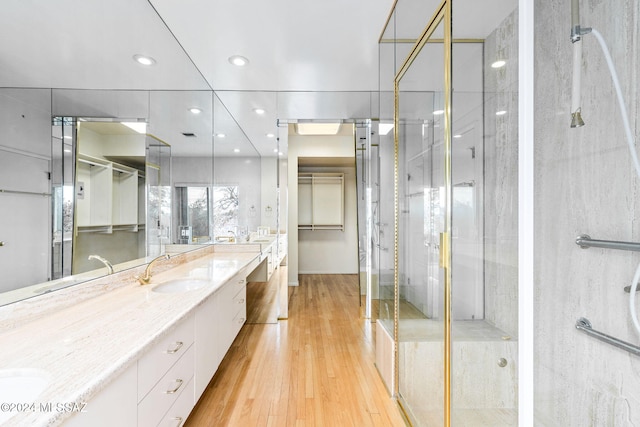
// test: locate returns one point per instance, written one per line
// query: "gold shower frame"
(441, 15)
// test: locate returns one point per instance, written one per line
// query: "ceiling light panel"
(317, 128)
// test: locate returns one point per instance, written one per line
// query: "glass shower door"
(422, 225)
(484, 318)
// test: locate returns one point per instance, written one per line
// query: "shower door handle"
(444, 259)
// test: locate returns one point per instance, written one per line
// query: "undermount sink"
(180, 285)
(20, 386)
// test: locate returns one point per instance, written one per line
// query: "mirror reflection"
(87, 195)
(109, 206)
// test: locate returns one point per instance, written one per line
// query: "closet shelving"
(321, 201)
(107, 199)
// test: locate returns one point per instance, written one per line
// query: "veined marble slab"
(82, 344)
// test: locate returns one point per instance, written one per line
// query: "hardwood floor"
(314, 369)
(262, 301)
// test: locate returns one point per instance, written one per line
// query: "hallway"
(314, 369)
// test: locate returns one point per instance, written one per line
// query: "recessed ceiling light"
(259, 110)
(195, 110)
(280, 153)
(275, 150)
(270, 135)
(236, 150)
(220, 135)
(498, 64)
(501, 113)
(317, 128)
(239, 61)
(144, 60)
(385, 128)
(457, 136)
(438, 112)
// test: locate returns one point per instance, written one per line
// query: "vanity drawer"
(155, 363)
(177, 381)
(177, 415)
(239, 282)
(236, 324)
(240, 300)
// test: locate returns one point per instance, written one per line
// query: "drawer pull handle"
(241, 301)
(179, 421)
(178, 346)
(179, 381)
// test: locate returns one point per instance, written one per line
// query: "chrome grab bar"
(31, 193)
(584, 325)
(585, 242)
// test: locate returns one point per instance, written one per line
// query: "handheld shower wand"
(576, 119)
(576, 38)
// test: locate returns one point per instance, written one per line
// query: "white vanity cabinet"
(218, 321)
(165, 373)
(267, 265)
(164, 385)
(233, 310)
(207, 333)
(115, 405)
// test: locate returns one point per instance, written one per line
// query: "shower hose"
(634, 156)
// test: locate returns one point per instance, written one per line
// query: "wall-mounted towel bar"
(31, 193)
(585, 242)
(584, 325)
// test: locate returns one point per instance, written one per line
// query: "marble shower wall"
(501, 177)
(585, 183)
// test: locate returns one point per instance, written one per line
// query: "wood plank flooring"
(314, 369)
(262, 300)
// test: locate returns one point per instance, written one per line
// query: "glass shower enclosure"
(454, 324)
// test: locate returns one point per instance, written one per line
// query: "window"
(225, 209)
(193, 214)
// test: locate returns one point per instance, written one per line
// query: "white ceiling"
(309, 59)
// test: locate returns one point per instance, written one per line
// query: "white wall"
(338, 146)
(332, 251)
(268, 193)
(585, 183)
(25, 154)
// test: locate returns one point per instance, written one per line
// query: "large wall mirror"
(62, 125)
(86, 177)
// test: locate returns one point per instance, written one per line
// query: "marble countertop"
(82, 347)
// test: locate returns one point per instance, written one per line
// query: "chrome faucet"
(144, 280)
(104, 261)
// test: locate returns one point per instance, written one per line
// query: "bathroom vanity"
(114, 352)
